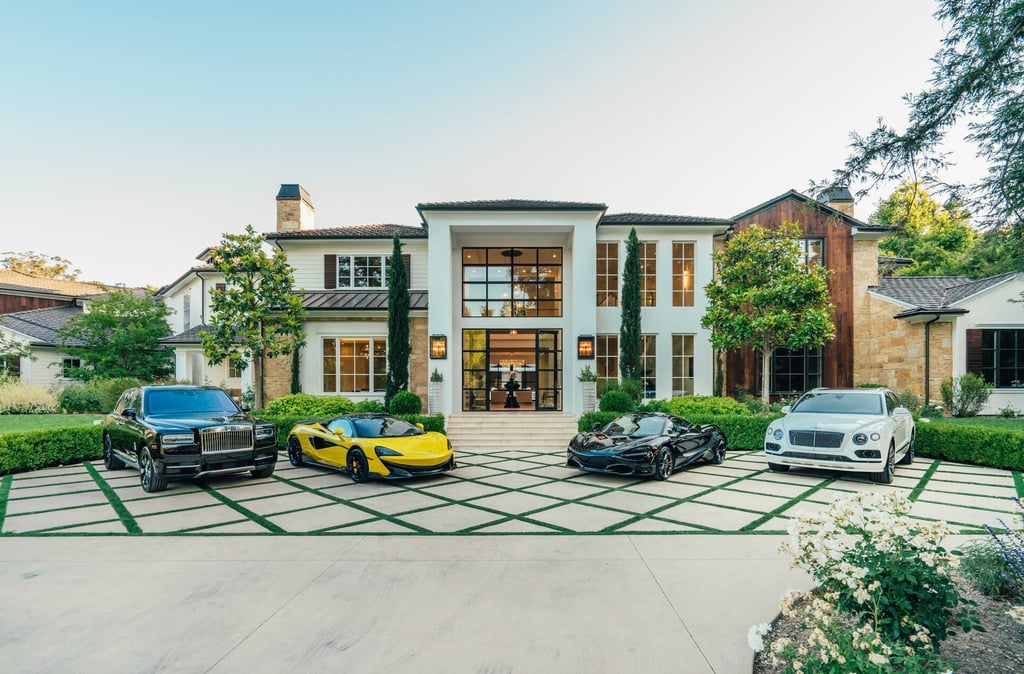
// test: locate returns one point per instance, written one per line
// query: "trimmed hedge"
(971, 444)
(30, 450)
(694, 406)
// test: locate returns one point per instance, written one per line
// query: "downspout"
(927, 357)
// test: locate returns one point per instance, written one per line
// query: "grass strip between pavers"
(1018, 481)
(5, 489)
(115, 501)
(923, 482)
(242, 510)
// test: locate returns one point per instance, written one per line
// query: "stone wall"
(891, 352)
(277, 377)
(419, 360)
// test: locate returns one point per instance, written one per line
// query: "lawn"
(38, 422)
(1000, 423)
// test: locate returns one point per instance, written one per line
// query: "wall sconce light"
(438, 347)
(585, 347)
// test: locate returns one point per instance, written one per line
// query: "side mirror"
(245, 408)
(786, 409)
(419, 425)
(128, 413)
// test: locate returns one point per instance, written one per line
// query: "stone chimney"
(294, 209)
(841, 200)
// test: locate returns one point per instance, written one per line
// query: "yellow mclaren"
(370, 446)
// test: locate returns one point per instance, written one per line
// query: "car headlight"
(176, 439)
(777, 434)
(860, 439)
(385, 451)
(265, 432)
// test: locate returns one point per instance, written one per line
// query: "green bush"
(109, 391)
(78, 398)
(617, 401)
(304, 405)
(965, 395)
(406, 402)
(586, 422)
(930, 411)
(691, 406)
(32, 450)
(654, 406)
(986, 567)
(741, 431)
(431, 422)
(910, 400)
(370, 407)
(971, 444)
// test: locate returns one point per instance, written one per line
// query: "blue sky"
(134, 134)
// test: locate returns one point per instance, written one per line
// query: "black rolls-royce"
(180, 432)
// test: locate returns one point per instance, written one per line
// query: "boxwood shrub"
(702, 406)
(971, 444)
(309, 406)
(30, 450)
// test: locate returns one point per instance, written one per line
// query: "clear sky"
(134, 134)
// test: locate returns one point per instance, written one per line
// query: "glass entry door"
(511, 370)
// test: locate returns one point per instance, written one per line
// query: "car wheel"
(151, 480)
(663, 463)
(908, 458)
(110, 460)
(357, 468)
(265, 471)
(778, 467)
(295, 451)
(885, 477)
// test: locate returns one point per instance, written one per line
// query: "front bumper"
(185, 465)
(613, 464)
(807, 457)
(399, 470)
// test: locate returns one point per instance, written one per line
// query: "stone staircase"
(535, 431)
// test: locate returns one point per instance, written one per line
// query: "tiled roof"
(656, 219)
(41, 325)
(17, 280)
(354, 232)
(355, 300)
(190, 336)
(511, 205)
(934, 293)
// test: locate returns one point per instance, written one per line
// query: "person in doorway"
(511, 386)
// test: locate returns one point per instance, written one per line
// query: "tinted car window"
(184, 401)
(384, 427)
(839, 402)
(891, 403)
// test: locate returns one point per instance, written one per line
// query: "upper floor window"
(186, 310)
(511, 282)
(682, 274)
(362, 271)
(812, 252)
(648, 273)
(607, 273)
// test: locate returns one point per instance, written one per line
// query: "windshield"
(384, 427)
(839, 402)
(635, 426)
(189, 401)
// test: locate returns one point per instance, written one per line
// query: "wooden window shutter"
(975, 362)
(330, 272)
(407, 261)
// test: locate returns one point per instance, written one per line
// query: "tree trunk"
(766, 361)
(257, 376)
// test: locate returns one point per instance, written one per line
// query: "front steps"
(497, 431)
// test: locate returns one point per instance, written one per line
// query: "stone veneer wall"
(892, 351)
(277, 377)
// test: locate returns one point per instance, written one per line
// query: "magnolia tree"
(764, 296)
(256, 315)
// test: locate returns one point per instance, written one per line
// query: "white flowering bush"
(884, 596)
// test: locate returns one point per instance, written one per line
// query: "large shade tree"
(398, 324)
(764, 297)
(39, 264)
(255, 315)
(629, 330)
(119, 336)
(978, 80)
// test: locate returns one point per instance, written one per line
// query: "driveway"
(510, 492)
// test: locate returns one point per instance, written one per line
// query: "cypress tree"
(398, 325)
(629, 332)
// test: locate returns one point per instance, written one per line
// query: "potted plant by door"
(588, 380)
(434, 392)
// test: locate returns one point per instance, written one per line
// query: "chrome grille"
(824, 439)
(225, 439)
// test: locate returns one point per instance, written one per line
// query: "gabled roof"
(41, 325)
(656, 219)
(190, 336)
(354, 232)
(357, 300)
(813, 203)
(16, 280)
(934, 294)
(511, 205)
(194, 270)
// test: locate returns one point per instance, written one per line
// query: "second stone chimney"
(294, 209)
(841, 200)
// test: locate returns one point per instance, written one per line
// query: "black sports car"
(646, 444)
